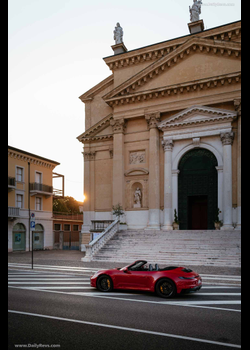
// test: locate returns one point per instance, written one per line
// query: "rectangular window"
(75, 227)
(38, 203)
(57, 227)
(38, 177)
(66, 227)
(19, 174)
(19, 200)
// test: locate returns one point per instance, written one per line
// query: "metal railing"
(67, 216)
(13, 212)
(11, 181)
(35, 186)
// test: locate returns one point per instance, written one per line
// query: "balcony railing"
(67, 216)
(13, 212)
(38, 188)
(11, 181)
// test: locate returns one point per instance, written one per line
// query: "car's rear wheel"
(104, 283)
(165, 288)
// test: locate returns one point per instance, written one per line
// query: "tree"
(66, 205)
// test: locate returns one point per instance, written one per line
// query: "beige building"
(163, 132)
(25, 168)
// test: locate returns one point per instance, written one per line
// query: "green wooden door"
(197, 177)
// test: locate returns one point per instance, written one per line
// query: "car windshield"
(137, 266)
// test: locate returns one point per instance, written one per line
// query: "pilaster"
(168, 208)
(119, 127)
(154, 170)
(227, 141)
(89, 190)
(237, 105)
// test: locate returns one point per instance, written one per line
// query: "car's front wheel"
(104, 284)
(165, 288)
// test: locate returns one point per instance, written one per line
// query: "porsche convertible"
(166, 282)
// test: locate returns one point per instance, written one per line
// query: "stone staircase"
(208, 248)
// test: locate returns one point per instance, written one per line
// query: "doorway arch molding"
(190, 146)
(175, 171)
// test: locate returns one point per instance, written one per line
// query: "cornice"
(227, 33)
(91, 133)
(195, 44)
(31, 159)
(88, 95)
(170, 90)
(208, 115)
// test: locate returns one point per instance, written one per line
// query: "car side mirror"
(126, 271)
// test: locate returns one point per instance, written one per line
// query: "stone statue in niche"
(195, 11)
(137, 198)
(118, 34)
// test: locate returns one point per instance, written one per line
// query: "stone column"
(118, 161)
(154, 171)
(237, 104)
(168, 208)
(227, 141)
(89, 186)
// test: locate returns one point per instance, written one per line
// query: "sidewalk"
(73, 258)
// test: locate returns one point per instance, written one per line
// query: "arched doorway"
(38, 237)
(197, 190)
(19, 237)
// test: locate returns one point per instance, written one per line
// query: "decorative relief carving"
(227, 138)
(153, 119)
(118, 125)
(89, 156)
(237, 106)
(137, 157)
(167, 145)
(196, 141)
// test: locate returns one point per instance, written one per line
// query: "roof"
(32, 155)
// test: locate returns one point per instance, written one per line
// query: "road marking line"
(95, 295)
(126, 329)
(49, 279)
(48, 283)
(219, 287)
(64, 268)
(218, 276)
(229, 294)
(205, 302)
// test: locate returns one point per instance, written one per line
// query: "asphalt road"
(57, 309)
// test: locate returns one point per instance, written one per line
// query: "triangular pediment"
(193, 56)
(197, 115)
(88, 95)
(100, 131)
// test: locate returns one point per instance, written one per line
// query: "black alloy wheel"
(166, 288)
(104, 284)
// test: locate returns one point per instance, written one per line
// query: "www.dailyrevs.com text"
(38, 346)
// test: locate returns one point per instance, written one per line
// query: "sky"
(55, 54)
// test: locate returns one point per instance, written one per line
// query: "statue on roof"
(195, 11)
(118, 34)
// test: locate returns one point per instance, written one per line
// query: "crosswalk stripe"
(12, 282)
(49, 279)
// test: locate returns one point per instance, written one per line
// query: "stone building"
(163, 132)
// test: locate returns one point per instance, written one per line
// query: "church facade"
(163, 134)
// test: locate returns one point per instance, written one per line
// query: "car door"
(129, 280)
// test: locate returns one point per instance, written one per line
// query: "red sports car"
(166, 282)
